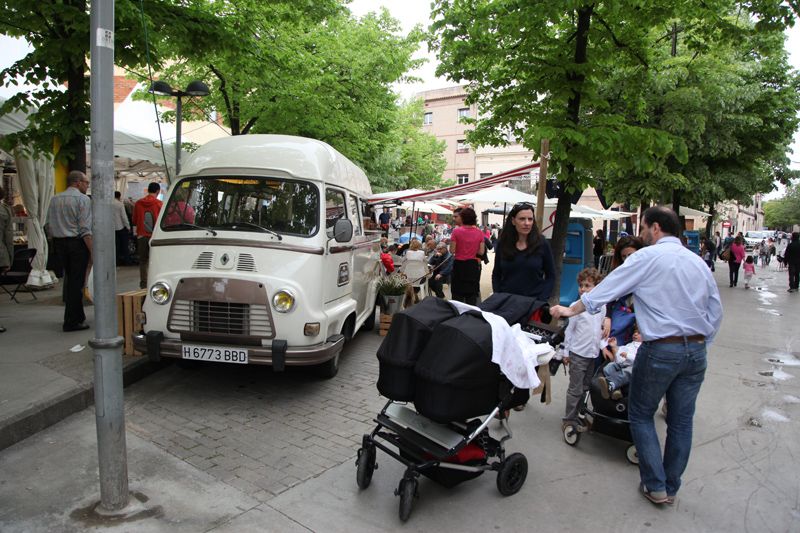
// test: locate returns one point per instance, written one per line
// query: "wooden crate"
(385, 323)
(129, 317)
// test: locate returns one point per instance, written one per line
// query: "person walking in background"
(69, 219)
(598, 247)
(145, 214)
(678, 311)
(791, 256)
(466, 245)
(6, 237)
(523, 264)
(122, 229)
(736, 255)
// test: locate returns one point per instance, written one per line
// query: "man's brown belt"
(679, 339)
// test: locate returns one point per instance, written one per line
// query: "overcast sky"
(409, 13)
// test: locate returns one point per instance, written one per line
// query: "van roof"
(297, 156)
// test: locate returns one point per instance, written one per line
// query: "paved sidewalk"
(742, 475)
(42, 380)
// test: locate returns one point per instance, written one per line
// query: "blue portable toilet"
(693, 240)
(577, 256)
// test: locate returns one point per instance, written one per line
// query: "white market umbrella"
(500, 195)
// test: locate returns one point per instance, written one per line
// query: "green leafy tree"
(58, 31)
(311, 69)
(413, 158)
(730, 104)
(579, 74)
(783, 212)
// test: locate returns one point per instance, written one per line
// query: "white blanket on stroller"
(515, 353)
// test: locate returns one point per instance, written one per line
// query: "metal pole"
(107, 345)
(542, 185)
(178, 118)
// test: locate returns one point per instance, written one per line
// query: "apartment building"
(444, 111)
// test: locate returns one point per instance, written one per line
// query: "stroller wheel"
(571, 434)
(512, 474)
(407, 491)
(632, 455)
(365, 465)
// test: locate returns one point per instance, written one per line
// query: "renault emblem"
(224, 259)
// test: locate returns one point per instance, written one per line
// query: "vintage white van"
(260, 256)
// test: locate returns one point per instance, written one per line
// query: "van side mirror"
(343, 230)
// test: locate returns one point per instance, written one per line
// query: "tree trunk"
(564, 205)
(676, 206)
(710, 221)
(75, 145)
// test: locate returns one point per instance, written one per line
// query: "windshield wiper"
(194, 226)
(235, 225)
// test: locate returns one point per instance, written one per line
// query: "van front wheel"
(328, 369)
(369, 323)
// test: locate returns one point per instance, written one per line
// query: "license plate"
(219, 354)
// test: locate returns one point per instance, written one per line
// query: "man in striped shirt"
(69, 219)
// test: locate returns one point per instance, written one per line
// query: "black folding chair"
(18, 274)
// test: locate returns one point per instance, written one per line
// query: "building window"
(462, 178)
(463, 113)
(461, 146)
(485, 174)
(427, 119)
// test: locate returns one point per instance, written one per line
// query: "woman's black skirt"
(466, 277)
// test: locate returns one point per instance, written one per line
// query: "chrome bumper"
(155, 345)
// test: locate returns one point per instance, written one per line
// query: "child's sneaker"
(616, 394)
(605, 387)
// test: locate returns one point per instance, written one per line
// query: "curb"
(48, 412)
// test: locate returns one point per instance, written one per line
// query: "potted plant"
(392, 290)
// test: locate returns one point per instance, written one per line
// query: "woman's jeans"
(734, 272)
(674, 371)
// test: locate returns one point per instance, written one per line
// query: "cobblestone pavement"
(260, 431)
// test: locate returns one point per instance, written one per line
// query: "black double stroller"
(441, 361)
(605, 416)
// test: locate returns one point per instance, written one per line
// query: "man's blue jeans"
(675, 371)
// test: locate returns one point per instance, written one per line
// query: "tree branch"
(249, 125)
(222, 89)
(618, 43)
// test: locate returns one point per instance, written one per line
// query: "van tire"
(349, 328)
(328, 369)
(369, 323)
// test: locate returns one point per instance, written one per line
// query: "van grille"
(217, 309)
(225, 318)
(203, 261)
(246, 263)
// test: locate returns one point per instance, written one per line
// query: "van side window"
(335, 208)
(354, 216)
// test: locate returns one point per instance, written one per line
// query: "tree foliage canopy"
(784, 212)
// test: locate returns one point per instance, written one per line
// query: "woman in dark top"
(523, 263)
(598, 247)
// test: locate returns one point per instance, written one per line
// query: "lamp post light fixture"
(195, 88)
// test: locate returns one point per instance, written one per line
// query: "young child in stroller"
(618, 374)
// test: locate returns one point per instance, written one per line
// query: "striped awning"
(465, 188)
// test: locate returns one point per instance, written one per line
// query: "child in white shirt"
(618, 374)
(582, 340)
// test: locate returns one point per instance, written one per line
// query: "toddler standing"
(582, 340)
(749, 271)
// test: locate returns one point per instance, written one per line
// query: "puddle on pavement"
(773, 416)
(769, 311)
(788, 398)
(757, 384)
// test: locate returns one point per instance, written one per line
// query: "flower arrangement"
(392, 285)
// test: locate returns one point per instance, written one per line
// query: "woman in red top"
(735, 259)
(466, 245)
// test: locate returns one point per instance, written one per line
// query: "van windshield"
(254, 204)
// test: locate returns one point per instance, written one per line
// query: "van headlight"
(160, 292)
(283, 301)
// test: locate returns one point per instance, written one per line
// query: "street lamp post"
(195, 88)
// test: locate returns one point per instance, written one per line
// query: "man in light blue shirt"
(678, 311)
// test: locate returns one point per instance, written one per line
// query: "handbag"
(726, 254)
